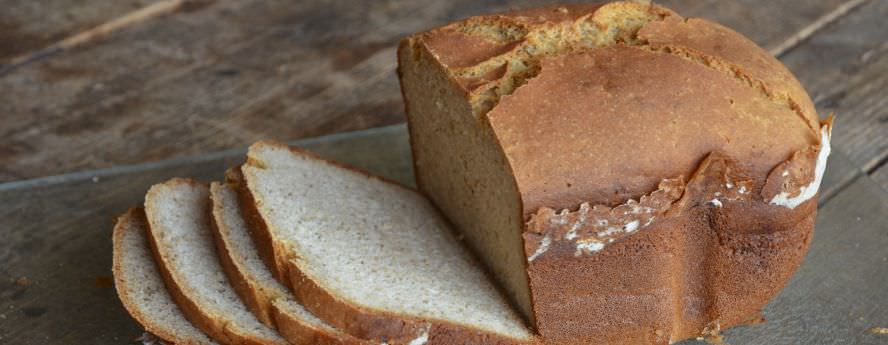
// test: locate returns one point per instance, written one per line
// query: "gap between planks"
(802, 35)
(165, 7)
(133, 18)
(97, 175)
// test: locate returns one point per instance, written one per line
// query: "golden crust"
(680, 88)
(249, 291)
(745, 57)
(297, 331)
(703, 260)
(587, 118)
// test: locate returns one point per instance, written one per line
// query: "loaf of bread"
(627, 174)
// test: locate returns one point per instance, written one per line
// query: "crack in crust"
(672, 263)
(592, 228)
(734, 71)
(522, 44)
(793, 182)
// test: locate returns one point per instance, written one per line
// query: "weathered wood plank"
(771, 24)
(845, 68)
(57, 230)
(235, 72)
(28, 26)
(880, 176)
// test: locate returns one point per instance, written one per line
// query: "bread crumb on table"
(23, 281)
(879, 330)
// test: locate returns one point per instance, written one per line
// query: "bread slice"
(270, 301)
(178, 213)
(373, 258)
(140, 286)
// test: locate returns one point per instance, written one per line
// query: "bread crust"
(211, 325)
(359, 321)
(570, 121)
(249, 291)
(298, 332)
(712, 258)
(134, 220)
(668, 49)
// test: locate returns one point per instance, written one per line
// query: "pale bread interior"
(234, 233)
(141, 288)
(178, 213)
(371, 243)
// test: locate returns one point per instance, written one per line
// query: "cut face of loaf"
(270, 301)
(370, 257)
(141, 288)
(599, 118)
(178, 214)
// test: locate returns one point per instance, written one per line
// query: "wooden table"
(101, 99)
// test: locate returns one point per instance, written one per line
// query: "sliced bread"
(178, 214)
(371, 257)
(270, 301)
(141, 288)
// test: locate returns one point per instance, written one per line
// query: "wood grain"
(224, 75)
(845, 68)
(27, 26)
(57, 235)
(880, 176)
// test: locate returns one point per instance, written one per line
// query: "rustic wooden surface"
(224, 74)
(845, 69)
(85, 131)
(28, 26)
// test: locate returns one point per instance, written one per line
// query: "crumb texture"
(178, 212)
(373, 244)
(235, 234)
(141, 288)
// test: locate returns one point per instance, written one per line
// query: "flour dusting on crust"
(791, 197)
(591, 228)
(715, 184)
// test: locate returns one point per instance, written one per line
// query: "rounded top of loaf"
(599, 103)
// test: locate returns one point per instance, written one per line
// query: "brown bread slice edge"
(178, 213)
(270, 301)
(141, 288)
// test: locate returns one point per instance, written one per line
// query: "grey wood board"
(28, 26)
(845, 69)
(232, 72)
(57, 233)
